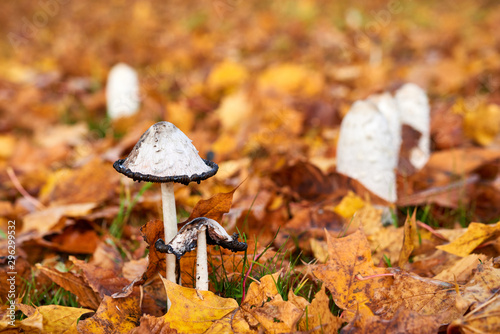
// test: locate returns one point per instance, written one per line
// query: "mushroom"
(164, 154)
(201, 231)
(122, 91)
(415, 112)
(364, 150)
(389, 108)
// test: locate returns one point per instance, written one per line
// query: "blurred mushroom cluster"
(369, 144)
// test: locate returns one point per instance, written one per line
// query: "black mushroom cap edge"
(184, 179)
(212, 239)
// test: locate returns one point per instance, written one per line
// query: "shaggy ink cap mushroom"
(364, 150)
(198, 233)
(187, 237)
(164, 154)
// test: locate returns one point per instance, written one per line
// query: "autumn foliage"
(261, 88)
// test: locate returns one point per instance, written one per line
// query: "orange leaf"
(348, 258)
(213, 207)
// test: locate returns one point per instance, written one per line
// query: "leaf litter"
(261, 90)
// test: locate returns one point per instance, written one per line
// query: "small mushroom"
(364, 150)
(201, 231)
(415, 112)
(122, 91)
(164, 154)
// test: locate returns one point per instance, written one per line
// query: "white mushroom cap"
(185, 240)
(415, 112)
(364, 150)
(389, 108)
(122, 91)
(165, 154)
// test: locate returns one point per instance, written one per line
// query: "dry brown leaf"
(44, 220)
(484, 318)
(74, 284)
(114, 315)
(95, 182)
(102, 280)
(259, 292)
(349, 258)
(214, 207)
(318, 318)
(409, 241)
(425, 296)
(278, 316)
(484, 284)
(404, 321)
(461, 270)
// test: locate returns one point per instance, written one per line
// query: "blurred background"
(256, 85)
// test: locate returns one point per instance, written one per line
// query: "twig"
(361, 278)
(430, 229)
(22, 191)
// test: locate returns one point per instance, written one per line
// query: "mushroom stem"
(201, 260)
(169, 224)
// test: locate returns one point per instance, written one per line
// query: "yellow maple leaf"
(52, 319)
(194, 311)
(475, 235)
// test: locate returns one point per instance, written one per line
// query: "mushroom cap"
(187, 237)
(414, 107)
(165, 154)
(365, 150)
(122, 91)
(389, 108)
(415, 112)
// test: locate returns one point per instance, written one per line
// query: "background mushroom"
(165, 155)
(364, 150)
(122, 91)
(201, 231)
(415, 112)
(389, 108)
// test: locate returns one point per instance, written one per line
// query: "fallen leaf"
(95, 182)
(476, 234)
(461, 271)
(410, 239)
(404, 321)
(44, 220)
(291, 78)
(278, 316)
(74, 284)
(52, 319)
(350, 257)
(227, 76)
(349, 205)
(304, 180)
(259, 292)
(114, 315)
(102, 280)
(319, 317)
(482, 319)
(425, 296)
(194, 311)
(483, 123)
(213, 207)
